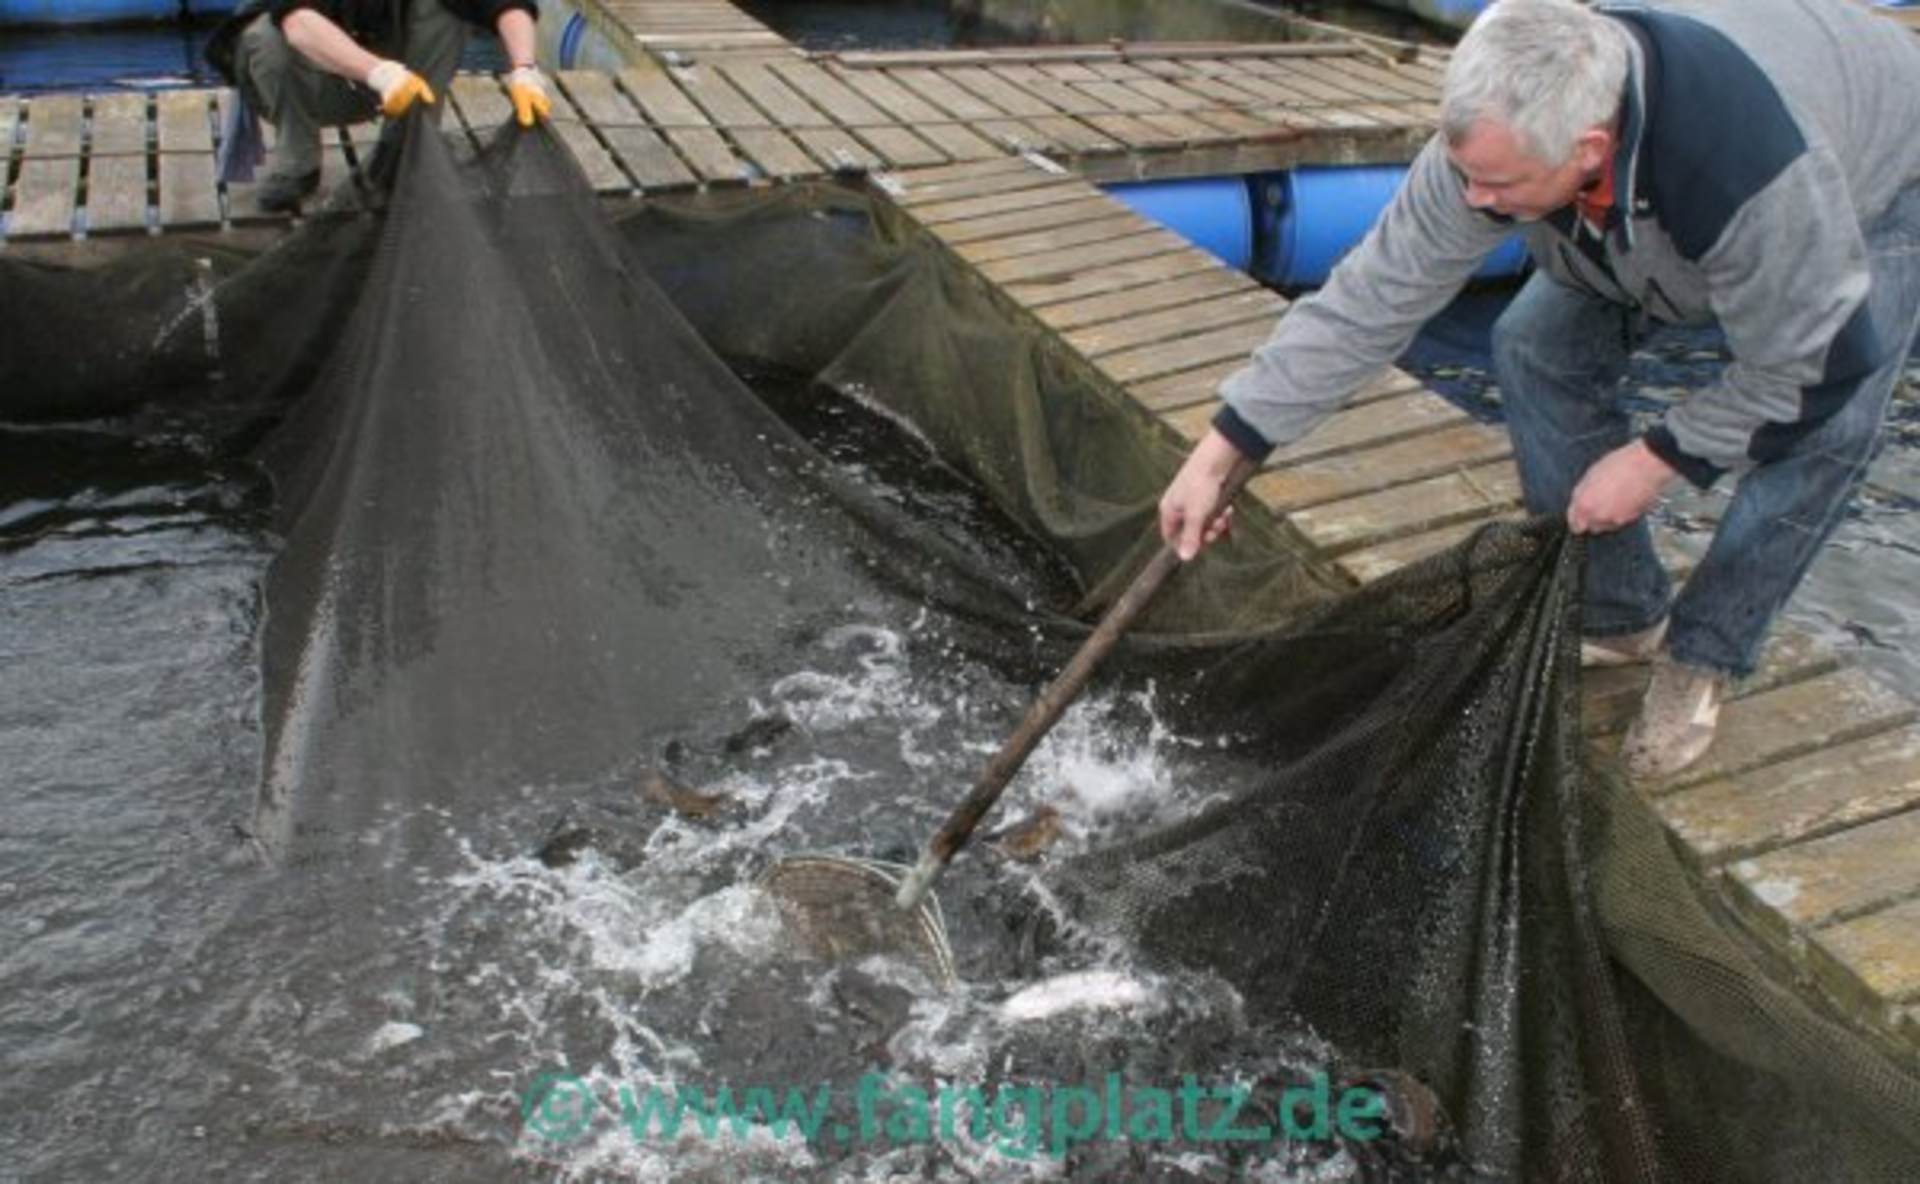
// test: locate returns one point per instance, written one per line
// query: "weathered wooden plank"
(708, 154)
(1303, 85)
(954, 139)
(117, 194)
(1375, 518)
(1351, 429)
(1133, 273)
(1061, 96)
(935, 213)
(913, 180)
(1119, 96)
(1239, 125)
(1188, 129)
(55, 127)
(1169, 324)
(1276, 86)
(44, 196)
(1370, 425)
(837, 151)
(886, 93)
(1121, 224)
(771, 150)
(184, 120)
(1168, 96)
(654, 164)
(598, 100)
(596, 163)
(1067, 212)
(1790, 721)
(188, 192)
(1834, 879)
(1133, 131)
(1795, 800)
(774, 153)
(998, 92)
(1185, 388)
(898, 147)
(683, 124)
(480, 102)
(659, 99)
(119, 126)
(1223, 90)
(697, 42)
(1372, 563)
(9, 126)
(1082, 57)
(1381, 79)
(1349, 474)
(1349, 93)
(1012, 135)
(1135, 365)
(835, 97)
(776, 98)
(1069, 262)
(1872, 962)
(955, 100)
(724, 105)
(922, 191)
(1072, 137)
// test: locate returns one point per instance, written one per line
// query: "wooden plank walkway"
(113, 164)
(1806, 814)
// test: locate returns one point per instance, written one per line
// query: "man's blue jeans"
(1559, 355)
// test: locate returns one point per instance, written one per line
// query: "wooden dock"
(1806, 815)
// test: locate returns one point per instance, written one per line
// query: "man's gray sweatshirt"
(1759, 139)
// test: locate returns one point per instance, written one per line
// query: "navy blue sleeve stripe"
(1240, 434)
(1702, 474)
(1857, 351)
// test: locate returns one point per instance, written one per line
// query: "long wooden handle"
(1051, 704)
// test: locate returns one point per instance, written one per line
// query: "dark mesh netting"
(536, 535)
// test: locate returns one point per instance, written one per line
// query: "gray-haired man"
(1745, 162)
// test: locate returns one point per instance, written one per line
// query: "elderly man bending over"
(1749, 163)
(309, 64)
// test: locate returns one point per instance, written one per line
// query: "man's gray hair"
(1546, 69)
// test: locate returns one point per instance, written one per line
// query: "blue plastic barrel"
(567, 40)
(1310, 217)
(91, 12)
(1457, 14)
(1213, 213)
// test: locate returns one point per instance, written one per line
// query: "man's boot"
(292, 173)
(1676, 722)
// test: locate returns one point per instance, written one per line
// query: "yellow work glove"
(528, 90)
(398, 88)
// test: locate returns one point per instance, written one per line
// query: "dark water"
(171, 1011)
(832, 25)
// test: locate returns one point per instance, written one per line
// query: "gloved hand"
(398, 88)
(527, 87)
